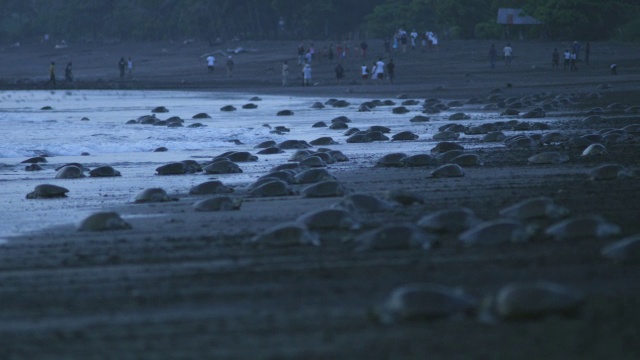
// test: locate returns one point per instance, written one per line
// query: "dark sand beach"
(188, 286)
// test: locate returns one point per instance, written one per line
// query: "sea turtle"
(363, 203)
(446, 157)
(323, 141)
(391, 160)
(405, 136)
(160, 109)
(535, 208)
(300, 154)
(317, 105)
(452, 220)
(582, 227)
(201, 116)
(222, 167)
(210, 187)
(548, 157)
(272, 188)
(265, 144)
(445, 136)
(404, 197)
(467, 160)
(497, 231)
(493, 136)
(103, 221)
(270, 151)
(69, 172)
(294, 166)
(47, 191)
(400, 110)
(445, 146)
(329, 219)
(286, 235)
(459, 116)
(191, 166)
(338, 126)
(104, 171)
(34, 160)
(153, 195)
(319, 124)
(608, 172)
(626, 250)
(218, 203)
(419, 118)
(534, 300)
(448, 170)
(312, 161)
(33, 167)
(313, 175)
(228, 108)
(255, 98)
(241, 156)
(338, 156)
(393, 237)
(294, 144)
(250, 106)
(284, 113)
(418, 160)
(175, 168)
(327, 188)
(425, 301)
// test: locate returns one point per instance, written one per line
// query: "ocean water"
(63, 136)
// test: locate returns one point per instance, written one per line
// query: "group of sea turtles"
(307, 174)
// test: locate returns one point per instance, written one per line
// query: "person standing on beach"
(567, 58)
(52, 74)
(230, 66)
(391, 71)
(301, 54)
(379, 70)
(339, 73)
(363, 48)
(285, 73)
(306, 75)
(507, 54)
(493, 55)
(573, 59)
(587, 53)
(364, 72)
(555, 59)
(68, 74)
(130, 68)
(211, 62)
(122, 65)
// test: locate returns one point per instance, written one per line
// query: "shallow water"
(62, 135)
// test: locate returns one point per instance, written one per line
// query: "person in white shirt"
(211, 62)
(364, 71)
(507, 51)
(379, 74)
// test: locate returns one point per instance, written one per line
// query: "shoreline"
(182, 283)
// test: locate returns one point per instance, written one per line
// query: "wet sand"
(186, 284)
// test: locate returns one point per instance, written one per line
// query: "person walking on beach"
(230, 66)
(364, 73)
(68, 74)
(211, 63)
(306, 75)
(587, 53)
(339, 73)
(379, 73)
(555, 59)
(285, 73)
(507, 54)
(391, 71)
(130, 68)
(121, 66)
(493, 55)
(52, 74)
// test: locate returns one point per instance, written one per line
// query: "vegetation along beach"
(467, 208)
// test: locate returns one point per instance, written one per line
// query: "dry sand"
(190, 288)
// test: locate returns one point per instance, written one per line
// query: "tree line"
(220, 20)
